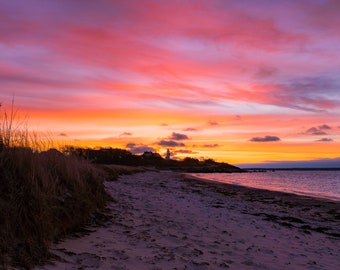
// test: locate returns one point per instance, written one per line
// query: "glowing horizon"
(236, 81)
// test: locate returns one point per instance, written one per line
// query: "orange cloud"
(225, 71)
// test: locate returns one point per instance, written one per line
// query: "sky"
(239, 81)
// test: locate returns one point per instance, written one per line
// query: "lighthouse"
(168, 154)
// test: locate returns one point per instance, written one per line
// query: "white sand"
(165, 221)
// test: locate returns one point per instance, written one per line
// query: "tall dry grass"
(44, 195)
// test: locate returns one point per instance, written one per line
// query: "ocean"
(321, 184)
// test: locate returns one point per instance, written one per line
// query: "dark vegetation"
(149, 159)
(43, 197)
(47, 195)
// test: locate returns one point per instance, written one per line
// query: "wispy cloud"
(213, 123)
(315, 131)
(183, 151)
(190, 129)
(170, 143)
(213, 145)
(324, 127)
(124, 134)
(265, 139)
(139, 148)
(178, 136)
(325, 140)
(305, 94)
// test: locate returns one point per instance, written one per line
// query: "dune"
(166, 220)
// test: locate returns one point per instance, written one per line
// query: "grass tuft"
(43, 197)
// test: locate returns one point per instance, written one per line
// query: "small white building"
(168, 154)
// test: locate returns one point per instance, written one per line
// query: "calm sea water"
(322, 184)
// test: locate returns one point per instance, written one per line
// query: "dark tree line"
(125, 157)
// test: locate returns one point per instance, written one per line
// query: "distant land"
(327, 163)
(149, 159)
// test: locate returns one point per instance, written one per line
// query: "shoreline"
(169, 220)
(304, 203)
(316, 195)
(328, 199)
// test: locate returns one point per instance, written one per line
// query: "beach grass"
(43, 197)
(45, 194)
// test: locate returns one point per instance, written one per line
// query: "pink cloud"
(295, 96)
(324, 16)
(168, 60)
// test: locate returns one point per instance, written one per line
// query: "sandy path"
(163, 221)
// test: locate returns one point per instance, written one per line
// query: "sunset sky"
(240, 81)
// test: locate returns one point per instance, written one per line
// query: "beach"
(169, 220)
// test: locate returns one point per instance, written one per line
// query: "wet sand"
(165, 220)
